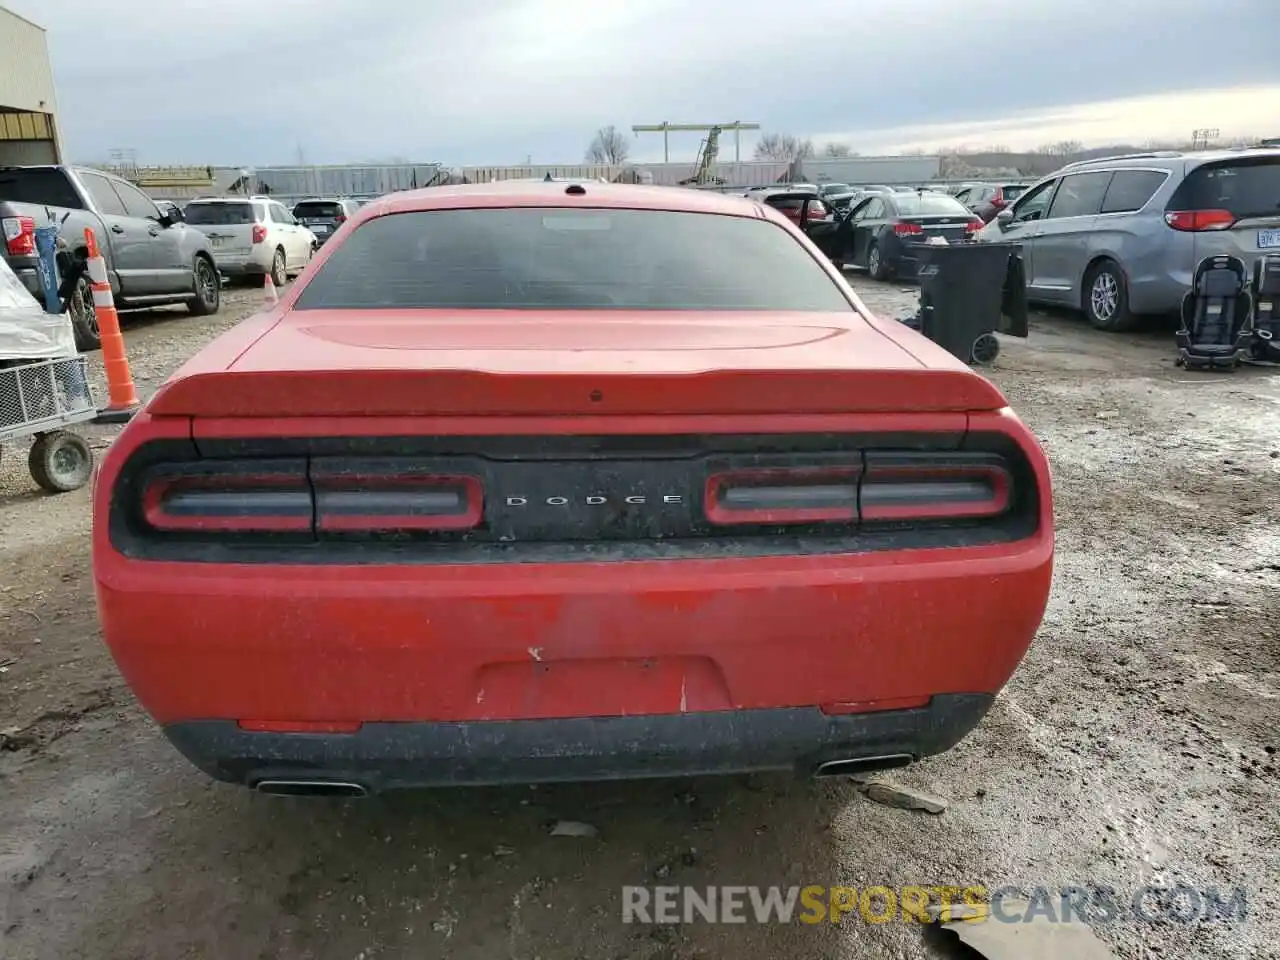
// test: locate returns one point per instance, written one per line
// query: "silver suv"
(1119, 237)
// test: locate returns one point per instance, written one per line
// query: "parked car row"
(152, 257)
(1116, 237)
(156, 252)
(877, 231)
(1120, 237)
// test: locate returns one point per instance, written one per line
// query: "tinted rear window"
(928, 204)
(1014, 190)
(1248, 188)
(39, 186)
(316, 211)
(554, 258)
(219, 214)
(1131, 189)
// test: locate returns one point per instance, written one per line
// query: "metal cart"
(41, 399)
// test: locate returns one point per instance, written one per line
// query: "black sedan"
(881, 232)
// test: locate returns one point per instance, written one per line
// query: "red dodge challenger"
(543, 481)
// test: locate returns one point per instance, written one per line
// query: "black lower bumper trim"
(385, 756)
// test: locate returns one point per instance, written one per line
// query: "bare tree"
(1062, 149)
(783, 146)
(610, 146)
(837, 151)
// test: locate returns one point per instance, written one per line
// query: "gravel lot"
(1134, 746)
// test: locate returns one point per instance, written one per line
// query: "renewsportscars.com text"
(920, 904)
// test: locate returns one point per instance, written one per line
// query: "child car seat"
(1215, 327)
(1265, 343)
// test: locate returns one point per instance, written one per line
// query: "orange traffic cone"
(269, 296)
(122, 397)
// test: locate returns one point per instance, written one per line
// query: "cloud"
(1233, 112)
(255, 81)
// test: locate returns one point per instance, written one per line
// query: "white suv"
(252, 236)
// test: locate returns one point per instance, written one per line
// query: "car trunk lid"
(495, 363)
(950, 228)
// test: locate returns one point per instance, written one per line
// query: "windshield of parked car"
(928, 204)
(219, 214)
(553, 259)
(1247, 188)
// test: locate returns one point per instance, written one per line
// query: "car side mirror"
(1004, 218)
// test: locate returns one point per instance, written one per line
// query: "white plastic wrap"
(26, 331)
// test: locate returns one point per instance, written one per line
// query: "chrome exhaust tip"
(844, 768)
(310, 788)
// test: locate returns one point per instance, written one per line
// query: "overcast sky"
(496, 81)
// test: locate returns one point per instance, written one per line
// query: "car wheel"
(876, 265)
(60, 462)
(84, 317)
(279, 269)
(208, 289)
(1106, 297)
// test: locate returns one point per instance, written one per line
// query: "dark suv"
(324, 215)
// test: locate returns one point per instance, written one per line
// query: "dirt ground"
(1135, 745)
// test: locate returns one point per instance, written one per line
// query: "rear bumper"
(525, 641)
(24, 268)
(254, 263)
(385, 756)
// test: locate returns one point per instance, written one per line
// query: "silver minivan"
(1120, 237)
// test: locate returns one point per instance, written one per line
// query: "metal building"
(28, 109)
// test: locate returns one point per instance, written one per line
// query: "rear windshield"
(317, 210)
(555, 258)
(926, 204)
(39, 185)
(1014, 190)
(1247, 188)
(219, 214)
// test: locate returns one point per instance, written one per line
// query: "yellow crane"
(706, 160)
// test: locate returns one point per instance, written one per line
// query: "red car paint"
(309, 649)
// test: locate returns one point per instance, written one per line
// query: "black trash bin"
(968, 291)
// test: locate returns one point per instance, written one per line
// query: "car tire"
(208, 284)
(1105, 298)
(877, 268)
(279, 268)
(60, 462)
(84, 316)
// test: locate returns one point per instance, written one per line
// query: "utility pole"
(1200, 138)
(666, 128)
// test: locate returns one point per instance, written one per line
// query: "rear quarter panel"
(1156, 259)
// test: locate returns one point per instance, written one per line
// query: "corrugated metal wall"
(26, 85)
(343, 181)
(888, 170)
(26, 77)
(356, 180)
